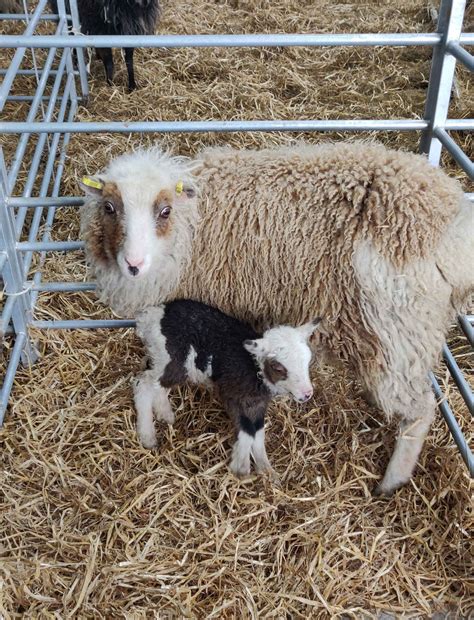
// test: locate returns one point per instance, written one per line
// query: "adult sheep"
(377, 242)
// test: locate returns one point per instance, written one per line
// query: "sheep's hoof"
(239, 471)
(269, 473)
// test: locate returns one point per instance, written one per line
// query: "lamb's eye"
(165, 212)
(277, 367)
(109, 207)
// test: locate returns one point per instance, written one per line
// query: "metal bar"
(453, 426)
(467, 329)
(47, 17)
(10, 374)
(32, 72)
(26, 98)
(224, 40)
(20, 52)
(203, 126)
(50, 201)
(470, 318)
(81, 63)
(85, 324)
(461, 54)
(466, 124)
(461, 158)
(32, 112)
(49, 246)
(63, 287)
(459, 379)
(451, 15)
(12, 273)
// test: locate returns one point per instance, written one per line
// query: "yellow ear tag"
(90, 182)
(179, 188)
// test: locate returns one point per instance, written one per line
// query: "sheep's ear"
(308, 329)
(92, 186)
(256, 347)
(185, 189)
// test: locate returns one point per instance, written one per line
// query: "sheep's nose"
(134, 266)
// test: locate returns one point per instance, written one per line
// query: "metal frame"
(51, 119)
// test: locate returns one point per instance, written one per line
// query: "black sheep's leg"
(132, 85)
(105, 54)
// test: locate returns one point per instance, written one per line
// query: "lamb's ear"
(308, 329)
(256, 347)
(92, 186)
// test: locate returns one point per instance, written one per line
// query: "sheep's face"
(135, 203)
(283, 355)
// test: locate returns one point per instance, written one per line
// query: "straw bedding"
(95, 526)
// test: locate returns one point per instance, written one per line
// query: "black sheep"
(135, 17)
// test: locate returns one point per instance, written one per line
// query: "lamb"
(190, 341)
(378, 242)
(135, 17)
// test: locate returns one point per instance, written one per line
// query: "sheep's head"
(283, 355)
(136, 204)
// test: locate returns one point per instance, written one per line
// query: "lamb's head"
(283, 355)
(134, 211)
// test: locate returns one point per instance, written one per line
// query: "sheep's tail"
(455, 256)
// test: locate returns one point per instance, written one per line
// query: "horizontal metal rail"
(461, 158)
(85, 324)
(36, 202)
(461, 54)
(453, 426)
(222, 126)
(47, 17)
(62, 287)
(49, 246)
(225, 40)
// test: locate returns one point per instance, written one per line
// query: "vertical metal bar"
(10, 374)
(81, 63)
(13, 273)
(450, 20)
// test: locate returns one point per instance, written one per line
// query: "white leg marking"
(143, 396)
(259, 453)
(240, 463)
(161, 404)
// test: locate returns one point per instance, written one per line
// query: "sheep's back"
(279, 228)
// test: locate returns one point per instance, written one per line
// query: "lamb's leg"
(105, 54)
(144, 393)
(240, 462)
(161, 404)
(259, 453)
(132, 85)
(409, 443)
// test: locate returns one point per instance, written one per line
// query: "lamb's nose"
(307, 395)
(134, 266)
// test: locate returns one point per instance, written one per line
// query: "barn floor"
(94, 526)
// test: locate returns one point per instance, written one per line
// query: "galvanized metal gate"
(50, 119)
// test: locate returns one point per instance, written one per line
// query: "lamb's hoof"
(382, 490)
(148, 441)
(165, 416)
(239, 472)
(271, 474)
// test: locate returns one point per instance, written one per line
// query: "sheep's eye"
(109, 207)
(165, 212)
(277, 367)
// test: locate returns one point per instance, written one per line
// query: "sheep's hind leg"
(413, 430)
(132, 85)
(105, 54)
(143, 391)
(161, 404)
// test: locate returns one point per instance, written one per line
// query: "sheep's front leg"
(240, 462)
(407, 449)
(143, 392)
(161, 405)
(259, 453)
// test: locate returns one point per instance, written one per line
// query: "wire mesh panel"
(54, 82)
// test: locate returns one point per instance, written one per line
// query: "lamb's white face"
(284, 355)
(136, 198)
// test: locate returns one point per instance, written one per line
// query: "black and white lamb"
(122, 17)
(190, 341)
